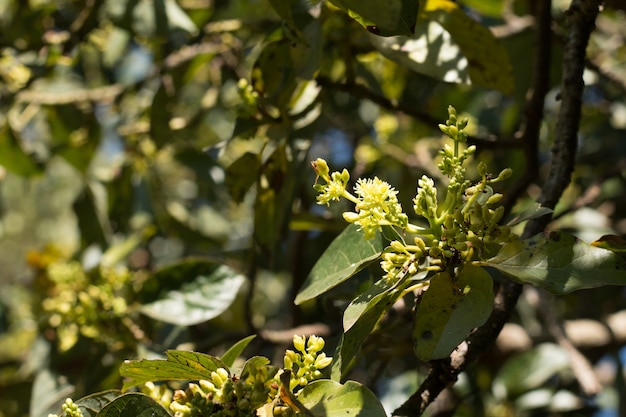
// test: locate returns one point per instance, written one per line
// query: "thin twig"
(363, 92)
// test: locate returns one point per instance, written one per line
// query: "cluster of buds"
(306, 362)
(225, 394)
(463, 226)
(249, 98)
(70, 409)
(89, 304)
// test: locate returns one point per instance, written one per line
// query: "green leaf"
(242, 174)
(491, 8)
(133, 405)
(534, 211)
(372, 296)
(206, 297)
(560, 263)
(384, 18)
(353, 338)
(179, 366)
(92, 404)
(235, 350)
(349, 253)
(274, 74)
(450, 309)
(488, 62)
(430, 51)
(329, 398)
(529, 370)
(13, 157)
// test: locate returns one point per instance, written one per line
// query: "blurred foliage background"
(155, 187)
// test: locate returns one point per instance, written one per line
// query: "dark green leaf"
(372, 296)
(450, 309)
(13, 157)
(133, 405)
(206, 297)
(179, 366)
(242, 174)
(532, 212)
(235, 350)
(349, 253)
(326, 398)
(388, 18)
(92, 404)
(560, 263)
(352, 339)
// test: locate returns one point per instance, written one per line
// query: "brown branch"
(363, 92)
(444, 373)
(528, 134)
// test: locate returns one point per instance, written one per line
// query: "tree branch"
(362, 92)
(443, 373)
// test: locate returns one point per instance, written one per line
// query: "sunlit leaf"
(389, 18)
(202, 299)
(491, 8)
(530, 370)
(235, 350)
(532, 212)
(179, 366)
(450, 309)
(489, 64)
(329, 398)
(13, 158)
(560, 263)
(431, 51)
(133, 405)
(611, 242)
(349, 253)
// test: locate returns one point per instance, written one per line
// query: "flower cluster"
(89, 304)
(462, 226)
(305, 364)
(376, 204)
(227, 394)
(70, 409)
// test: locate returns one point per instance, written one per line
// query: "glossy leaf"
(179, 366)
(235, 350)
(450, 309)
(92, 404)
(388, 18)
(349, 253)
(372, 296)
(353, 338)
(534, 211)
(330, 398)
(133, 405)
(430, 51)
(530, 370)
(206, 297)
(560, 263)
(489, 64)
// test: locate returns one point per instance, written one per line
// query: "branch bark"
(443, 373)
